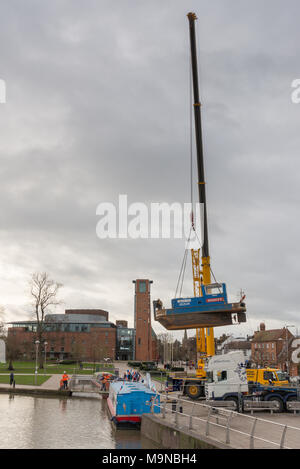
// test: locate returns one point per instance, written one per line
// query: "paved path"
(269, 429)
(51, 383)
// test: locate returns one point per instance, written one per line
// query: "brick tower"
(142, 320)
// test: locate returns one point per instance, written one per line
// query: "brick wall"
(95, 345)
(142, 320)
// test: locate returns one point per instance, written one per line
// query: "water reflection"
(35, 422)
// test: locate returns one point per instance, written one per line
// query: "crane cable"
(183, 265)
(182, 269)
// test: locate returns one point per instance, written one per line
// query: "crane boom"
(200, 276)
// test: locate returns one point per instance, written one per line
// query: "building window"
(139, 341)
(142, 287)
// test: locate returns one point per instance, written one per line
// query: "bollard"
(174, 405)
(283, 437)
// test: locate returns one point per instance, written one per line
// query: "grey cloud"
(98, 105)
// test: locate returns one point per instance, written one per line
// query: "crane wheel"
(193, 390)
(280, 404)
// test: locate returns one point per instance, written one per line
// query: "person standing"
(11, 378)
(65, 379)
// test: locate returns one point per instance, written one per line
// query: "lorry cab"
(266, 376)
(226, 377)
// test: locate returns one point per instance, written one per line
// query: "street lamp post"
(287, 347)
(45, 348)
(36, 359)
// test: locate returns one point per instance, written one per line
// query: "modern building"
(86, 334)
(125, 349)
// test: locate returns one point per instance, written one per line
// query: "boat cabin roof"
(125, 387)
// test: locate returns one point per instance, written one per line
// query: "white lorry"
(226, 377)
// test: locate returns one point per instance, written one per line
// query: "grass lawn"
(51, 368)
(29, 380)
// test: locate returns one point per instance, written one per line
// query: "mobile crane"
(210, 307)
(207, 309)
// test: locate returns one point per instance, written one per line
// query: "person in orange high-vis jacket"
(106, 379)
(65, 379)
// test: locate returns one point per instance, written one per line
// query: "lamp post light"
(45, 348)
(36, 359)
(287, 347)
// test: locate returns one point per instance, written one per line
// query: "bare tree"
(13, 351)
(77, 351)
(98, 350)
(44, 292)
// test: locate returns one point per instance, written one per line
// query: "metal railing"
(83, 383)
(227, 426)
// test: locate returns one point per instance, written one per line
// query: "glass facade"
(61, 327)
(125, 343)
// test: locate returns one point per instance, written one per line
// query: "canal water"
(36, 422)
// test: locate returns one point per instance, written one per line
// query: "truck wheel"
(280, 404)
(193, 390)
(233, 399)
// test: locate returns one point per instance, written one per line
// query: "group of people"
(105, 380)
(132, 376)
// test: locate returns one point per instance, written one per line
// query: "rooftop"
(271, 335)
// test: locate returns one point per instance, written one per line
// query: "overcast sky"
(98, 105)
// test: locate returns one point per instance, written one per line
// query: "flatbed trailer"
(280, 394)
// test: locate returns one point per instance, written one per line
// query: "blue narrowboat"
(128, 401)
(208, 310)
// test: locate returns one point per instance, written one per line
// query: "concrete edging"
(167, 436)
(34, 392)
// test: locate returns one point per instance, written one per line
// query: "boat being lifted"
(209, 310)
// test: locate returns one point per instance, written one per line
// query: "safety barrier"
(261, 405)
(227, 426)
(293, 406)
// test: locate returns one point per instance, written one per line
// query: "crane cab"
(209, 310)
(211, 294)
